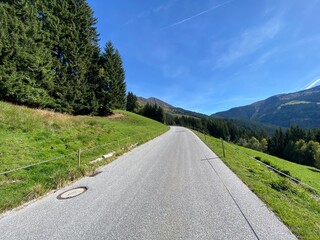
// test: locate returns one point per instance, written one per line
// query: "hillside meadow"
(29, 136)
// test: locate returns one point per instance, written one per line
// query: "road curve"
(173, 187)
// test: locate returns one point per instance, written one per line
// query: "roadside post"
(79, 157)
(222, 142)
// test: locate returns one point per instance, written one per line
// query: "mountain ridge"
(152, 101)
(300, 108)
(168, 107)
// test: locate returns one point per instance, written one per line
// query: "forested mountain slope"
(300, 108)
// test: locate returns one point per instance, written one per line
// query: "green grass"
(296, 205)
(29, 136)
(306, 174)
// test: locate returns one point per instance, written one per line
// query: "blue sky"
(212, 55)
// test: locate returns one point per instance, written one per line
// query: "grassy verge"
(30, 136)
(297, 206)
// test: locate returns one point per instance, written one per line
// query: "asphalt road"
(172, 187)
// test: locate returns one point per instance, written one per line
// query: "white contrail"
(310, 85)
(196, 15)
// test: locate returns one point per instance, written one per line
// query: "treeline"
(218, 128)
(296, 145)
(154, 112)
(50, 58)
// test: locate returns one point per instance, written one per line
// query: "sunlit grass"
(29, 136)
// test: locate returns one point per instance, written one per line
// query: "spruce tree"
(49, 57)
(131, 102)
(102, 89)
(118, 87)
(154, 112)
(26, 74)
(74, 46)
(112, 64)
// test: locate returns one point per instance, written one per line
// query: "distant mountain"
(168, 108)
(299, 108)
(152, 101)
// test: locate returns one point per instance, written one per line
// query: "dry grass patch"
(116, 115)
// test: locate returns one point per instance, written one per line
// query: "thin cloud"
(196, 15)
(148, 12)
(263, 59)
(175, 72)
(249, 41)
(238, 99)
(313, 83)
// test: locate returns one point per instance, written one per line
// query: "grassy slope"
(29, 136)
(306, 174)
(297, 206)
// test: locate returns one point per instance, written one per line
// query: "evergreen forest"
(50, 58)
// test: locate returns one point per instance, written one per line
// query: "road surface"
(173, 187)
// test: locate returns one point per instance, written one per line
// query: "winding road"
(173, 187)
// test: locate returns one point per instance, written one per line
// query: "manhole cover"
(72, 193)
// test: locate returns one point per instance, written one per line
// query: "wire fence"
(257, 160)
(75, 153)
(273, 168)
(38, 163)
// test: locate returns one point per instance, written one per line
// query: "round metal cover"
(72, 193)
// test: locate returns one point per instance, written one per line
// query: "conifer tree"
(25, 69)
(49, 57)
(102, 89)
(131, 102)
(112, 63)
(74, 46)
(154, 112)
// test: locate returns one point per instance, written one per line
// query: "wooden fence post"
(79, 157)
(224, 154)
